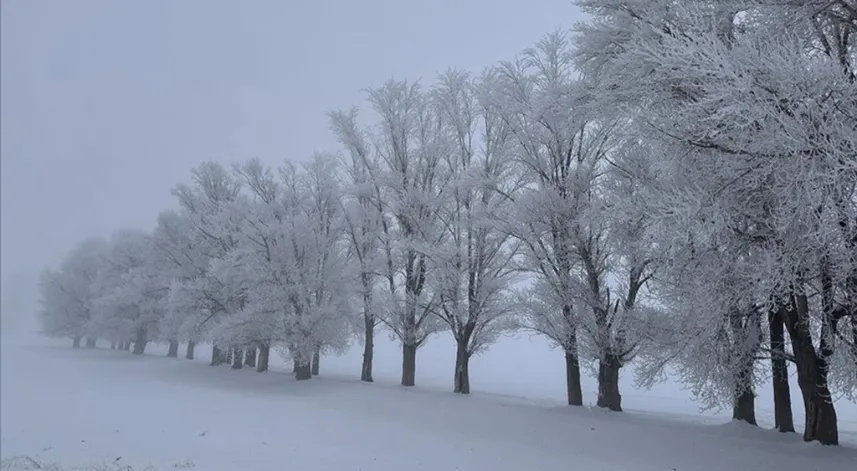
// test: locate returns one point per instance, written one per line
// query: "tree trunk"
(250, 357)
(316, 358)
(121, 346)
(191, 347)
(783, 420)
(113, 345)
(461, 382)
(127, 346)
(820, 421)
(75, 343)
(140, 342)
(90, 342)
(368, 332)
(572, 379)
(744, 400)
(608, 383)
(409, 364)
(237, 358)
(173, 352)
(264, 352)
(303, 369)
(218, 356)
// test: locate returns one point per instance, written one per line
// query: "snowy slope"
(80, 407)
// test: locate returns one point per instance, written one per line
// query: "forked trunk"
(462, 368)
(250, 357)
(821, 421)
(409, 364)
(191, 347)
(140, 341)
(316, 358)
(608, 383)
(237, 358)
(783, 420)
(218, 356)
(574, 391)
(75, 343)
(264, 352)
(173, 352)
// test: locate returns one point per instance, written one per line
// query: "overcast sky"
(106, 104)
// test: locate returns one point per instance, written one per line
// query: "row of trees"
(674, 184)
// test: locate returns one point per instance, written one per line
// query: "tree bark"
(218, 356)
(250, 357)
(90, 342)
(191, 347)
(783, 420)
(75, 343)
(303, 370)
(574, 390)
(409, 364)
(744, 401)
(368, 331)
(820, 421)
(461, 382)
(608, 383)
(173, 352)
(140, 341)
(316, 358)
(237, 358)
(264, 352)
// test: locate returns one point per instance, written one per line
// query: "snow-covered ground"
(80, 407)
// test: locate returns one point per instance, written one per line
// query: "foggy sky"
(106, 104)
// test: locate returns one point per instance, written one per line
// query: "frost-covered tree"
(363, 219)
(758, 172)
(67, 295)
(474, 262)
(412, 145)
(205, 299)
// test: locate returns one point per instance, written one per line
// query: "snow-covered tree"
(67, 295)
(364, 221)
(474, 263)
(757, 172)
(412, 146)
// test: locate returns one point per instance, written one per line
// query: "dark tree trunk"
(316, 358)
(127, 346)
(409, 365)
(173, 352)
(574, 389)
(264, 352)
(90, 342)
(294, 366)
(237, 358)
(218, 356)
(121, 346)
(744, 401)
(783, 420)
(608, 383)
(461, 382)
(113, 345)
(303, 370)
(368, 332)
(821, 421)
(250, 357)
(75, 342)
(191, 348)
(140, 342)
